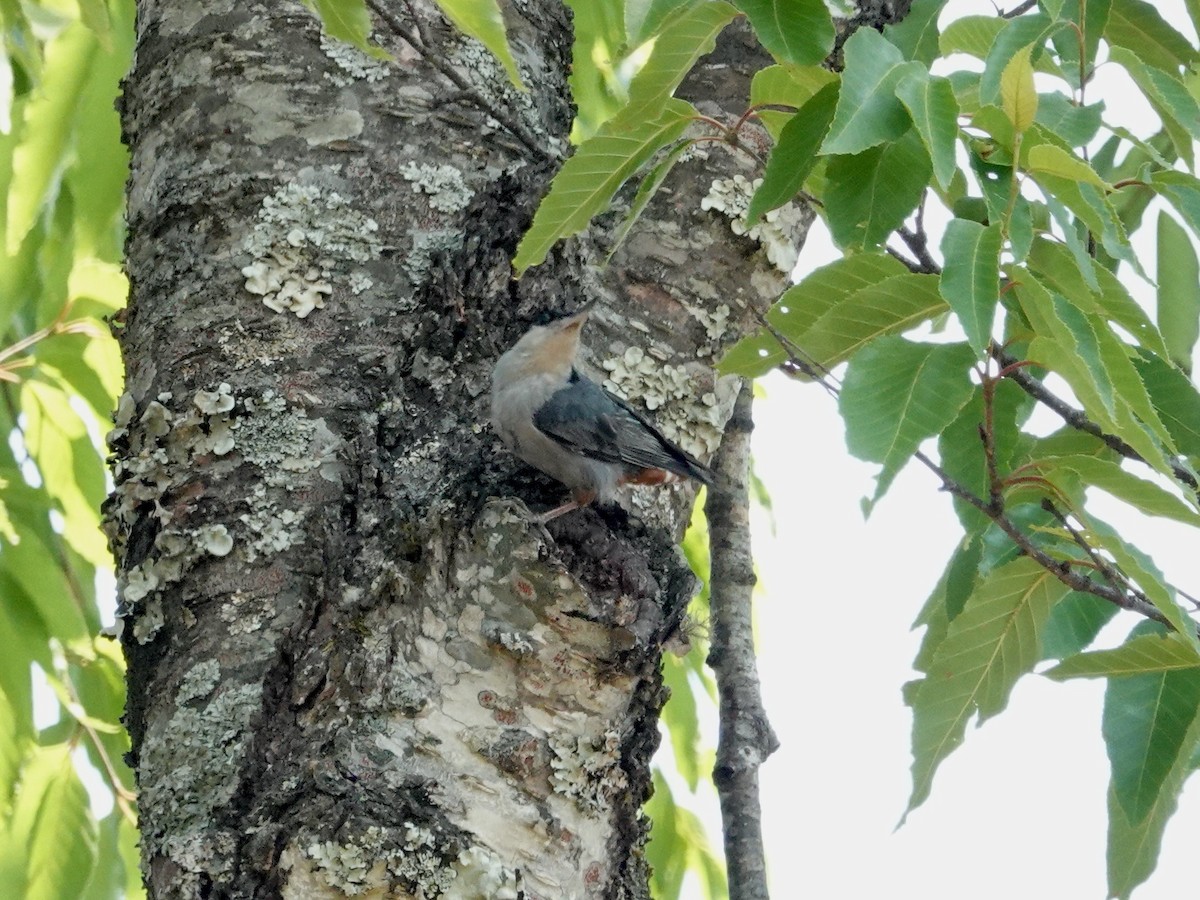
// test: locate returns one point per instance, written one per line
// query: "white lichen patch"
(425, 246)
(273, 528)
(353, 63)
(302, 232)
(442, 184)
(716, 325)
(778, 231)
(686, 410)
(198, 682)
(585, 767)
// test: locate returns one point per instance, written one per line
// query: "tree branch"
(746, 738)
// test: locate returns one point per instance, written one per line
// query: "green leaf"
(1053, 262)
(790, 86)
(588, 180)
(1178, 291)
(917, 33)
(1091, 21)
(868, 111)
(1148, 725)
(685, 38)
(1076, 125)
(1141, 29)
(1144, 654)
(1053, 160)
(795, 154)
(1109, 476)
(869, 195)
(46, 139)
(934, 111)
(1074, 623)
(1017, 35)
(1141, 570)
(803, 304)
(52, 821)
(896, 394)
(990, 645)
(1169, 97)
(1018, 96)
(793, 31)
(480, 19)
(890, 306)
(970, 280)
(1175, 398)
(1089, 203)
(349, 21)
(1183, 191)
(973, 35)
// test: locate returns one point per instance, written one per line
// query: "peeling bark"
(355, 666)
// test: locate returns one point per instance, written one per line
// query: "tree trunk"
(355, 665)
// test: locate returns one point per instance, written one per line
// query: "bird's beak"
(579, 318)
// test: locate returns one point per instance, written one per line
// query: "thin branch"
(746, 738)
(1114, 576)
(1019, 10)
(1077, 420)
(421, 43)
(1060, 569)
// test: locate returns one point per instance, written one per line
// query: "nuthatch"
(560, 421)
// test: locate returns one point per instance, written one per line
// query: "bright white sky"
(1019, 809)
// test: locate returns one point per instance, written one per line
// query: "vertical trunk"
(351, 667)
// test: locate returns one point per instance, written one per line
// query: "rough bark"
(354, 664)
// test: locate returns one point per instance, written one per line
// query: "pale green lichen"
(586, 767)
(442, 184)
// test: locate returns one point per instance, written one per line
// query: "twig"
(746, 738)
(421, 43)
(1076, 419)
(1114, 576)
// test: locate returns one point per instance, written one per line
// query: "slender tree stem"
(746, 738)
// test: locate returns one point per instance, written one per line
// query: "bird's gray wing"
(589, 420)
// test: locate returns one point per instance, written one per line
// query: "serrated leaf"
(1089, 203)
(1140, 655)
(1074, 623)
(686, 37)
(803, 304)
(868, 111)
(869, 195)
(1082, 36)
(1143, 572)
(1178, 291)
(1018, 96)
(1077, 125)
(934, 111)
(51, 820)
(1175, 398)
(973, 35)
(1133, 846)
(348, 21)
(1140, 28)
(793, 31)
(588, 180)
(890, 306)
(1016, 36)
(1054, 263)
(1053, 160)
(1109, 476)
(1148, 725)
(1170, 99)
(790, 86)
(794, 155)
(970, 280)
(45, 140)
(480, 19)
(897, 393)
(917, 33)
(990, 645)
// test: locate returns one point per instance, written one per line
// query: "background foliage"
(942, 348)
